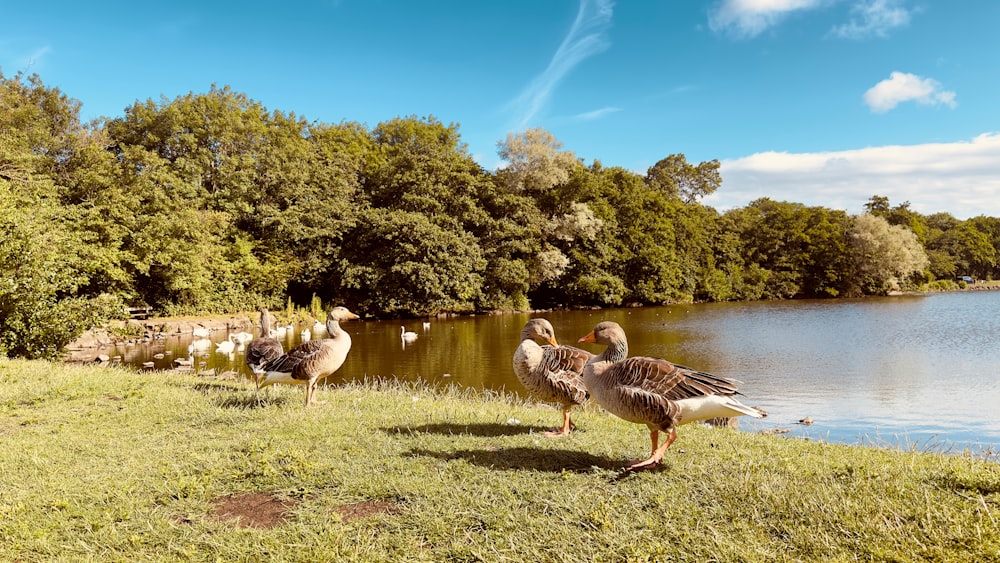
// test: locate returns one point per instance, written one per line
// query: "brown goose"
(551, 372)
(311, 361)
(263, 350)
(655, 392)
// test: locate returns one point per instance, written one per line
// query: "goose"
(655, 392)
(311, 361)
(263, 350)
(407, 336)
(551, 372)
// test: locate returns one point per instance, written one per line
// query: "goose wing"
(296, 358)
(563, 368)
(671, 381)
(263, 351)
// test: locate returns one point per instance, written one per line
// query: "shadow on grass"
(536, 459)
(486, 430)
(251, 401)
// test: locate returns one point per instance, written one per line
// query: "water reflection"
(904, 370)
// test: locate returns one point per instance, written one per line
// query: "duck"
(311, 361)
(264, 350)
(551, 372)
(407, 336)
(655, 392)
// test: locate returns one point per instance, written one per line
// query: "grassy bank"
(106, 464)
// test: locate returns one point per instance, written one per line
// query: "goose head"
(539, 330)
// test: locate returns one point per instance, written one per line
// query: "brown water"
(914, 371)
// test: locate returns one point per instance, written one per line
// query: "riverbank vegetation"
(113, 465)
(212, 203)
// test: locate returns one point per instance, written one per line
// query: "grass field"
(105, 464)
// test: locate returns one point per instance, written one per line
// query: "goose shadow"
(485, 430)
(250, 401)
(537, 459)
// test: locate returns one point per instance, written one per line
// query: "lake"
(917, 371)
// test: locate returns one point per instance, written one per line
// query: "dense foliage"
(213, 203)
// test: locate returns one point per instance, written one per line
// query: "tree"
(535, 162)
(677, 179)
(884, 255)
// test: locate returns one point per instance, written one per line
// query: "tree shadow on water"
(521, 458)
(485, 430)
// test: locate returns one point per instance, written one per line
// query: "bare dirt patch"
(365, 509)
(253, 510)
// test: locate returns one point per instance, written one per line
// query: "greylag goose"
(551, 372)
(311, 361)
(655, 392)
(263, 350)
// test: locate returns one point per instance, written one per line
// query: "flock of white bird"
(651, 391)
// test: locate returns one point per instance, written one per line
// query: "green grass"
(106, 464)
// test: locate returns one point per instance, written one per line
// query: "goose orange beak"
(552, 341)
(589, 338)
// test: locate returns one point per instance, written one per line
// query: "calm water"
(916, 371)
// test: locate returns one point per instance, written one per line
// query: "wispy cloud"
(587, 37)
(961, 178)
(873, 18)
(31, 62)
(749, 18)
(596, 114)
(903, 87)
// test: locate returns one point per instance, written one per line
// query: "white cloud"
(903, 87)
(961, 178)
(749, 18)
(596, 114)
(587, 37)
(873, 18)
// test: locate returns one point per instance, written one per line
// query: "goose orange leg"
(658, 451)
(566, 427)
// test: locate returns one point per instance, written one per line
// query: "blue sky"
(822, 102)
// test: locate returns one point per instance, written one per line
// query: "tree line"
(211, 203)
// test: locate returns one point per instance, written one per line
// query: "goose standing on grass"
(264, 350)
(655, 392)
(311, 361)
(551, 372)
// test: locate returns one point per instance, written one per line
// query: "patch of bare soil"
(253, 510)
(365, 509)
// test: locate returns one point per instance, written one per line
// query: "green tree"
(884, 255)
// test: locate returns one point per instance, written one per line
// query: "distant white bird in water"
(407, 336)
(241, 338)
(305, 335)
(318, 329)
(226, 346)
(427, 325)
(200, 332)
(199, 345)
